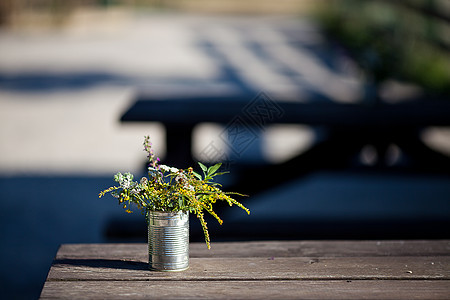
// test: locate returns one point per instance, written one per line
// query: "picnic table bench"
(347, 127)
(383, 269)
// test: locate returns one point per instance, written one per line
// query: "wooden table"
(258, 270)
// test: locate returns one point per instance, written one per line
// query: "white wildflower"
(144, 180)
(128, 178)
(164, 168)
(136, 189)
(118, 177)
(180, 177)
(124, 180)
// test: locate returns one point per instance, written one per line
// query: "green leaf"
(213, 169)
(204, 168)
(221, 173)
(197, 175)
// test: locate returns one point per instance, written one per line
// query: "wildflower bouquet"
(169, 189)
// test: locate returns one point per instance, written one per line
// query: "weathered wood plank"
(338, 289)
(323, 249)
(267, 249)
(256, 270)
(260, 268)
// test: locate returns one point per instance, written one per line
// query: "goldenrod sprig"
(170, 189)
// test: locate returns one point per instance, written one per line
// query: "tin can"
(168, 241)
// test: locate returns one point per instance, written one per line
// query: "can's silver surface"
(168, 241)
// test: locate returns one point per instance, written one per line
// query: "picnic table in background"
(347, 129)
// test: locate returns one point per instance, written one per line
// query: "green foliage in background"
(393, 39)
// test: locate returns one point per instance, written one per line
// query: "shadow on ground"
(37, 214)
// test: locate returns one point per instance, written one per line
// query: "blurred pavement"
(62, 92)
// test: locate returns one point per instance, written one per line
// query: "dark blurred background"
(332, 115)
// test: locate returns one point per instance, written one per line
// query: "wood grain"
(269, 249)
(284, 268)
(257, 270)
(342, 289)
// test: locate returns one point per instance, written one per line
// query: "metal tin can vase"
(168, 241)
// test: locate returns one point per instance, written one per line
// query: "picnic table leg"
(179, 145)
